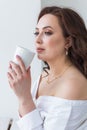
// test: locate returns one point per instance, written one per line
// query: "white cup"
(26, 55)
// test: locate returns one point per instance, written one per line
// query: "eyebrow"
(45, 27)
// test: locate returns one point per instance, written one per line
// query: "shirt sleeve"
(31, 121)
(59, 120)
(55, 121)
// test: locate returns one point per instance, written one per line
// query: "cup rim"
(25, 48)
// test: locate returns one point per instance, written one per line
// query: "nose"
(38, 39)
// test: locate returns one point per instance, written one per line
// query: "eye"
(36, 33)
(48, 33)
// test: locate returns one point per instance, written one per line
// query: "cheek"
(52, 48)
(56, 45)
(53, 44)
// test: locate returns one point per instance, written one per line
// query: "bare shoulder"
(74, 87)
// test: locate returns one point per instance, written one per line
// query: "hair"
(72, 25)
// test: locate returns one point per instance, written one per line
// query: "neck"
(58, 66)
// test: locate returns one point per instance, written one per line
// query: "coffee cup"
(26, 55)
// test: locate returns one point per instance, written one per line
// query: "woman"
(58, 99)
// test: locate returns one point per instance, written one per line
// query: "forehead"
(48, 20)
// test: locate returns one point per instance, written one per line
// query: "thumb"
(28, 70)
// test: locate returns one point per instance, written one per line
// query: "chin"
(41, 57)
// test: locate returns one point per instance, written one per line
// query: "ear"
(68, 43)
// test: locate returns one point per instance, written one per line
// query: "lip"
(40, 49)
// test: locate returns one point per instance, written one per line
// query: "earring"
(66, 52)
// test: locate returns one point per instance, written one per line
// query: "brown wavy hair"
(72, 25)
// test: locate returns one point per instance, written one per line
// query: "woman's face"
(50, 42)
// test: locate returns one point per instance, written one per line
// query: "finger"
(12, 73)
(21, 64)
(10, 65)
(28, 70)
(16, 68)
(10, 79)
(9, 76)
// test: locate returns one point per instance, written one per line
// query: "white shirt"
(54, 113)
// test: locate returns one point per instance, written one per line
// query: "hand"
(20, 79)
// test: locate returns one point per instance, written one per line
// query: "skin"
(51, 47)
